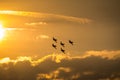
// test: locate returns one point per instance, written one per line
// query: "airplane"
(62, 44)
(63, 50)
(71, 42)
(54, 46)
(54, 39)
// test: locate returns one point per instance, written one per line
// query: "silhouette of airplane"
(54, 39)
(62, 44)
(63, 50)
(71, 42)
(54, 46)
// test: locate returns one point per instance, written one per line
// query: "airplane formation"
(62, 44)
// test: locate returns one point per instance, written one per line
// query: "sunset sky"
(28, 26)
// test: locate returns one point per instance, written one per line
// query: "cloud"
(5, 60)
(35, 23)
(14, 29)
(54, 74)
(63, 67)
(103, 54)
(42, 37)
(45, 17)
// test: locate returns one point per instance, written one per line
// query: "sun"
(2, 32)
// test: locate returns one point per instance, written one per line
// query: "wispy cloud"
(35, 23)
(14, 29)
(47, 17)
(42, 37)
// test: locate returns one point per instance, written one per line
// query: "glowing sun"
(2, 32)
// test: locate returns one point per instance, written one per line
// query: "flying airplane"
(54, 46)
(54, 39)
(71, 42)
(63, 50)
(62, 44)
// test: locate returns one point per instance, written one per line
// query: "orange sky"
(92, 27)
(27, 28)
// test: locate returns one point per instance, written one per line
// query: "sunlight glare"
(5, 60)
(2, 32)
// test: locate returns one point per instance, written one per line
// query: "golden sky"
(28, 26)
(91, 25)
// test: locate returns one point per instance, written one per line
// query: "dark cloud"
(61, 67)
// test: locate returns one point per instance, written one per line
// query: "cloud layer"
(63, 67)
